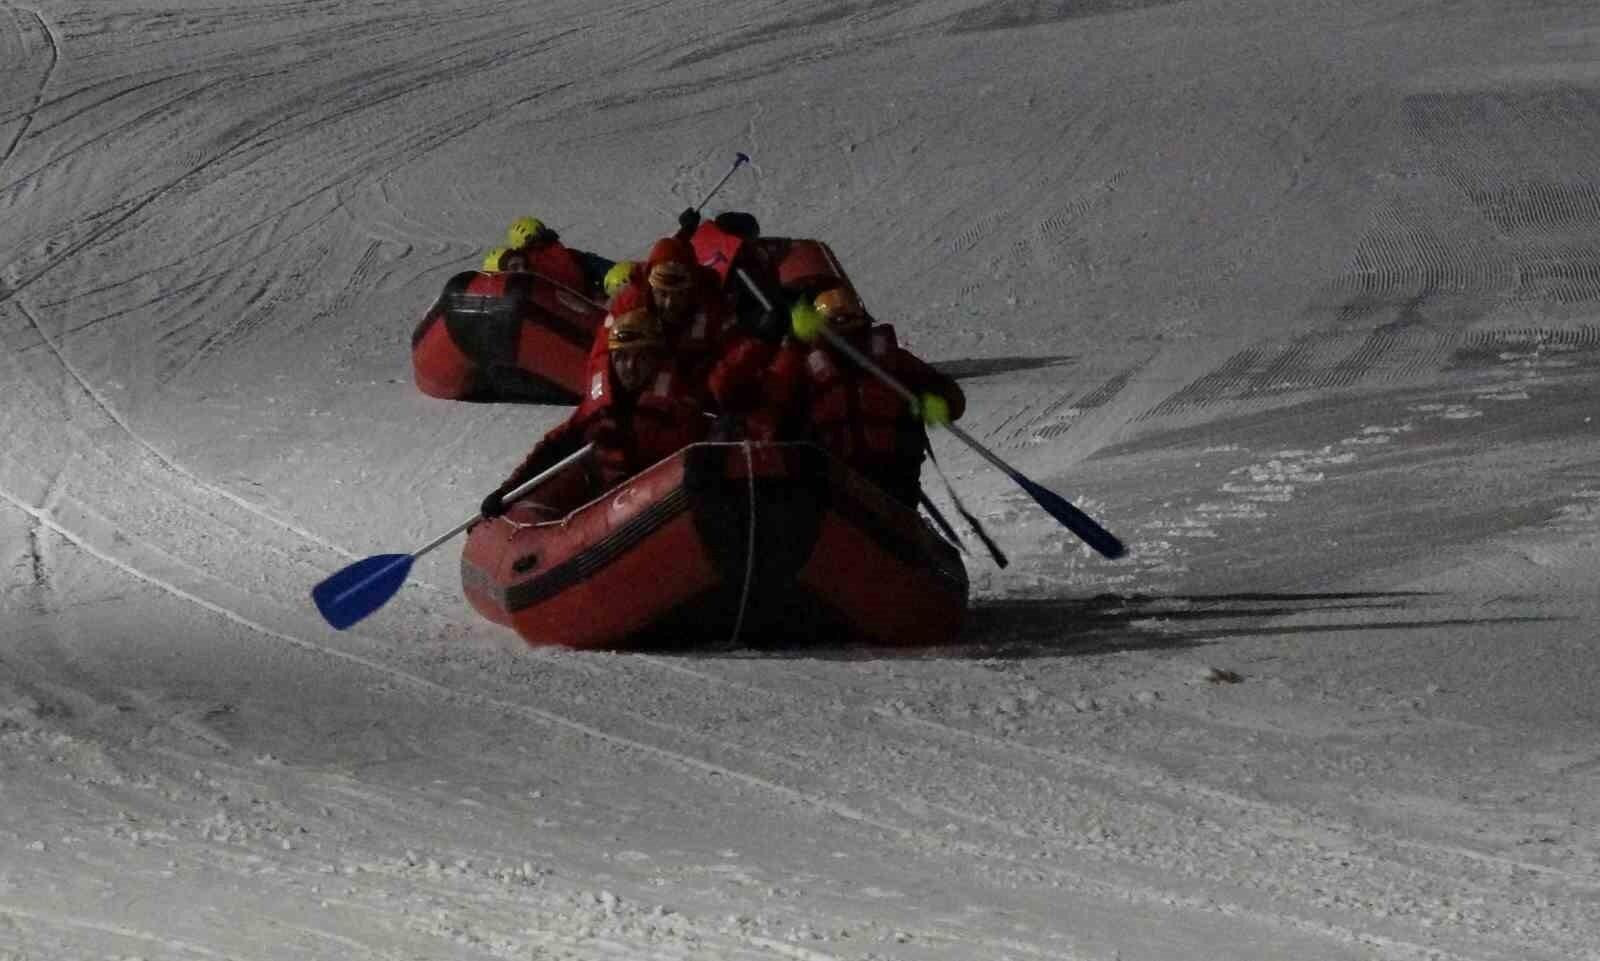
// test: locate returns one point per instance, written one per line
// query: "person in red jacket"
(636, 412)
(820, 393)
(693, 314)
(532, 246)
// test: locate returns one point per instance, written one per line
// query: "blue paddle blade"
(1073, 519)
(351, 594)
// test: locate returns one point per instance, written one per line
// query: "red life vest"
(856, 416)
(694, 347)
(630, 435)
(716, 249)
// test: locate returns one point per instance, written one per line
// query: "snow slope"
(1302, 299)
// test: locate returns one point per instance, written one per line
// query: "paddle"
(1054, 504)
(349, 595)
(738, 161)
(966, 515)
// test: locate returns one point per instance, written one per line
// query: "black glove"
(689, 220)
(771, 326)
(493, 505)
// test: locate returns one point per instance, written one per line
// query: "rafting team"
(687, 353)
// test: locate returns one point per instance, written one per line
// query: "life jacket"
(695, 347)
(856, 416)
(736, 378)
(700, 334)
(716, 249)
(630, 434)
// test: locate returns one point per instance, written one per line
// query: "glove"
(689, 220)
(935, 410)
(805, 321)
(493, 505)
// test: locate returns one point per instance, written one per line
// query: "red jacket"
(629, 432)
(696, 345)
(736, 380)
(852, 413)
(552, 259)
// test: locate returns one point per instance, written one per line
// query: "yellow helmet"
(491, 260)
(618, 276)
(522, 230)
(841, 308)
(638, 329)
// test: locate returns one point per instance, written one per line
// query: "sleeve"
(735, 379)
(597, 350)
(562, 440)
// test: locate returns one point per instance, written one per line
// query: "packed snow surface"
(1301, 299)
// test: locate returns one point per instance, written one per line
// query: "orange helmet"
(633, 323)
(670, 276)
(670, 273)
(638, 329)
(841, 308)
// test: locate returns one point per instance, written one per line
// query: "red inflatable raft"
(769, 543)
(506, 337)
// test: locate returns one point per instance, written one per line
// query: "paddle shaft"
(518, 492)
(1057, 506)
(740, 161)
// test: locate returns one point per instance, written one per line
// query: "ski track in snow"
(674, 757)
(1130, 786)
(54, 55)
(1015, 809)
(669, 756)
(195, 482)
(419, 684)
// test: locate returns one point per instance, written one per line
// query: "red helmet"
(670, 275)
(671, 249)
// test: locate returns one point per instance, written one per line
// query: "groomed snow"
(1302, 299)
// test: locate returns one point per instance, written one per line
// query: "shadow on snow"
(1019, 628)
